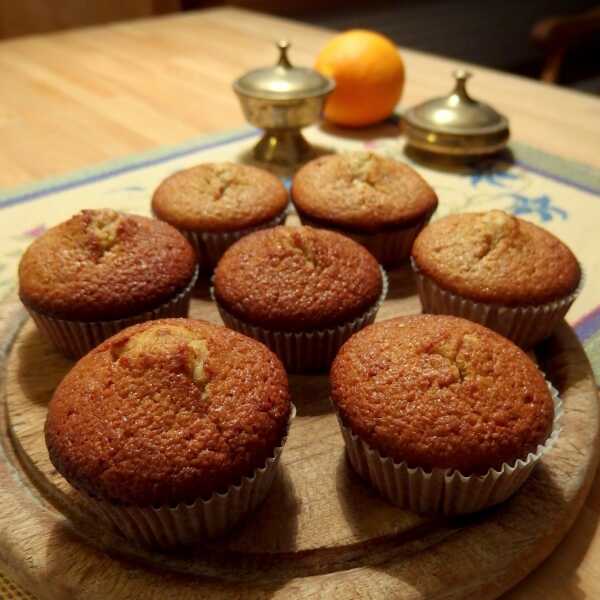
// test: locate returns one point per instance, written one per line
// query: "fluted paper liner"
(390, 247)
(74, 339)
(445, 491)
(524, 325)
(188, 523)
(309, 351)
(210, 246)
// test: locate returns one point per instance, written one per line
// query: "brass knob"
(460, 88)
(284, 61)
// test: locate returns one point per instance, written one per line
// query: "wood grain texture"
(75, 98)
(71, 99)
(321, 532)
(37, 16)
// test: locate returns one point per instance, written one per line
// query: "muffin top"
(297, 279)
(441, 392)
(219, 197)
(167, 411)
(496, 258)
(362, 192)
(102, 264)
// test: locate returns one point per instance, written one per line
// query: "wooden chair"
(555, 35)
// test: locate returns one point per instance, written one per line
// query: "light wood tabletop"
(72, 99)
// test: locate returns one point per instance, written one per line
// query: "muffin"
(301, 291)
(171, 429)
(379, 202)
(101, 271)
(497, 270)
(215, 204)
(441, 414)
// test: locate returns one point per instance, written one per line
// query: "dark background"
(491, 33)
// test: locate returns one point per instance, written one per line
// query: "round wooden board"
(321, 533)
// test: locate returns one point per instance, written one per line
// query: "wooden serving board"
(321, 533)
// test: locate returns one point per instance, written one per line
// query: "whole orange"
(369, 77)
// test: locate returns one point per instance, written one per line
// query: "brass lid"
(456, 124)
(283, 81)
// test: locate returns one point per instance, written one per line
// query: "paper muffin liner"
(210, 246)
(188, 523)
(74, 339)
(443, 491)
(524, 325)
(305, 351)
(390, 248)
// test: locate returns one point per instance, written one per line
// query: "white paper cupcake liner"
(443, 491)
(74, 339)
(305, 351)
(184, 524)
(524, 325)
(390, 248)
(210, 246)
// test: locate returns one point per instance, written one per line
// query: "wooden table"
(72, 99)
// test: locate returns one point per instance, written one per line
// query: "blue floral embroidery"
(541, 206)
(521, 205)
(492, 177)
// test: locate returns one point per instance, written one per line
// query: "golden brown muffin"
(167, 412)
(496, 258)
(297, 279)
(102, 265)
(441, 392)
(362, 192)
(219, 197)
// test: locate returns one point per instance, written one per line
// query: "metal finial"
(284, 61)
(460, 89)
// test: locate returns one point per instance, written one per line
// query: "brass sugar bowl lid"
(283, 81)
(456, 124)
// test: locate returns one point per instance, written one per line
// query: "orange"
(369, 77)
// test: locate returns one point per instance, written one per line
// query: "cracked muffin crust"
(496, 258)
(441, 392)
(219, 197)
(167, 412)
(297, 279)
(104, 265)
(362, 192)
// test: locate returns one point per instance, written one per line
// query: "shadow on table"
(495, 163)
(79, 570)
(401, 282)
(86, 555)
(246, 157)
(563, 356)
(386, 129)
(40, 367)
(310, 394)
(467, 555)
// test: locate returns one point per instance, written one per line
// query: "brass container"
(456, 124)
(281, 100)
